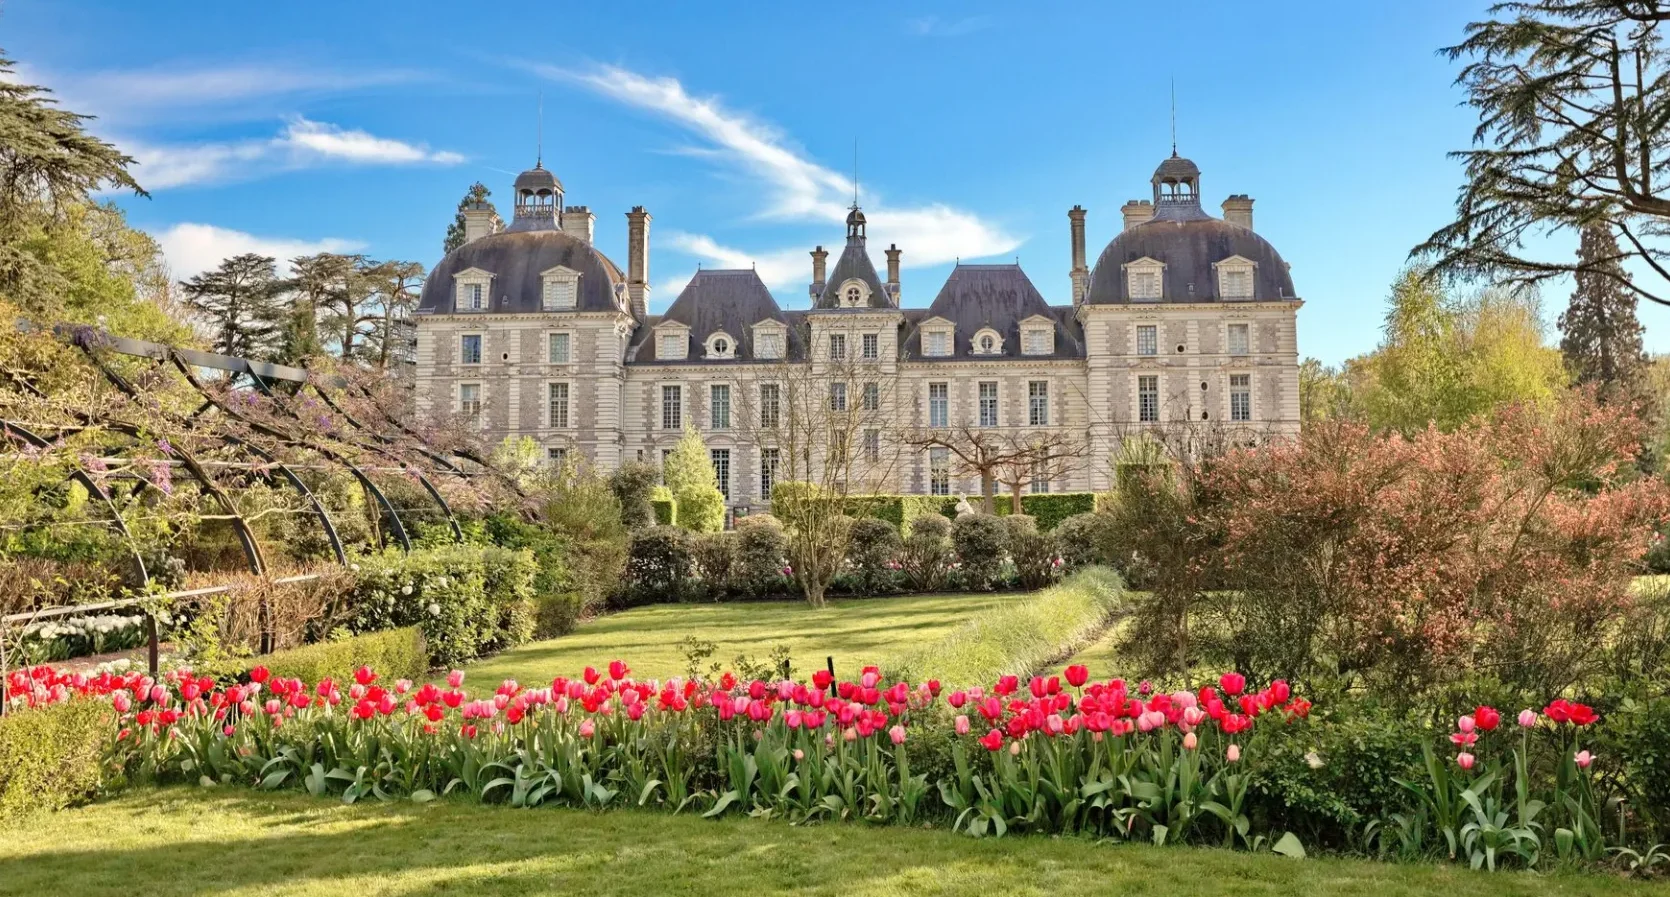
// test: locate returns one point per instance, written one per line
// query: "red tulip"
(1232, 683)
(992, 741)
(618, 670)
(259, 675)
(822, 679)
(1077, 674)
(364, 676)
(1487, 718)
(1006, 686)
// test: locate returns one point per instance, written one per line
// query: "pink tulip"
(962, 725)
(1233, 755)
(897, 733)
(121, 702)
(1190, 742)
(587, 728)
(1464, 760)
(1465, 724)
(455, 678)
(799, 754)
(1527, 718)
(1583, 758)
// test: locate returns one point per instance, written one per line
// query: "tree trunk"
(1015, 497)
(988, 486)
(814, 591)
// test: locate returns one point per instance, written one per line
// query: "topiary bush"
(50, 757)
(658, 565)
(761, 547)
(633, 484)
(982, 545)
(467, 598)
(394, 654)
(873, 550)
(664, 507)
(925, 556)
(1034, 553)
(557, 595)
(715, 560)
(508, 580)
(1083, 540)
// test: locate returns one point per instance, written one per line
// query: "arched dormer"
(987, 342)
(853, 293)
(721, 346)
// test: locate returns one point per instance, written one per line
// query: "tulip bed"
(1053, 754)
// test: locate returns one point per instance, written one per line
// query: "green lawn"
(855, 631)
(233, 843)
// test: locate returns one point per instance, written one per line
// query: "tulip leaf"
(1288, 846)
(1160, 835)
(725, 800)
(274, 779)
(422, 796)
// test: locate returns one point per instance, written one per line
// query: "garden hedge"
(49, 757)
(1017, 638)
(665, 507)
(1048, 508)
(394, 654)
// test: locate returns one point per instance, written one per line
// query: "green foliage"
(634, 485)
(240, 305)
(873, 554)
(393, 653)
(1600, 333)
(478, 193)
(467, 599)
(1018, 638)
(50, 757)
(689, 473)
(715, 561)
(982, 545)
(659, 565)
(760, 552)
(557, 592)
(1048, 509)
(663, 507)
(926, 554)
(1034, 552)
(583, 509)
(1084, 540)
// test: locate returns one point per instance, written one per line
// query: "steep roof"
(1189, 245)
(975, 297)
(516, 261)
(854, 264)
(715, 300)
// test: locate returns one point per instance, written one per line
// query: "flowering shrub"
(467, 599)
(49, 641)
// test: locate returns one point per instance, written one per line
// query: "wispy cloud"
(793, 187)
(934, 26)
(194, 248)
(302, 144)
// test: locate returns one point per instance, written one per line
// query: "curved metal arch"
(395, 523)
(86, 480)
(296, 483)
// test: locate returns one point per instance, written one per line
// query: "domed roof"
(536, 179)
(1188, 245)
(517, 261)
(856, 216)
(1176, 168)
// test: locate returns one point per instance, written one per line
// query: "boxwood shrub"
(1048, 508)
(49, 757)
(394, 654)
(468, 599)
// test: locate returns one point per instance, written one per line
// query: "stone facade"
(560, 347)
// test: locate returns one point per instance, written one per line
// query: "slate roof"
(717, 300)
(1189, 243)
(854, 263)
(516, 259)
(975, 297)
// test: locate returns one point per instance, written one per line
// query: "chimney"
(819, 257)
(1136, 212)
(1238, 210)
(893, 253)
(480, 220)
(637, 260)
(1080, 274)
(578, 221)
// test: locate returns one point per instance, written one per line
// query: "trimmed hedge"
(665, 507)
(394, 654)
(49, 756)
(1048, 508)
(468, 599)
(1019, 638)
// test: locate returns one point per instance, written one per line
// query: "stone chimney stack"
(893, 253)
(637, 260)
(1136, 211)
(820, 258)
(480, 220)
(1238, 210)
(578, 221)
(1080, 273)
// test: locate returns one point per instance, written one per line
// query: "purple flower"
(164, 447)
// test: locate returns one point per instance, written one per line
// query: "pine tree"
(1600, 334)
(238, 303)
(455, 231)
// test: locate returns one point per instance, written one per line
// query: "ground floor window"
(722, 469)
(939, 471)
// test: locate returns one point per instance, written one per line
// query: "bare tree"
(1010, 456)
(822, 419)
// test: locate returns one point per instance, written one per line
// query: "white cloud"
(188, 86)
(302, 144)
(194, 248)
(793, 186)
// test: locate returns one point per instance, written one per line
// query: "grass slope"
(239, 844)
(856, 632)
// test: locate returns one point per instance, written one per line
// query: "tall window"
(672, 407)
(1040, 477)
(722, 469)
(939, 405)
(939, 471)
(1240, 397)
(1238, 339)
(872, 396)
(837, 347)
(719, 406)
(469, 400)
(671, 345)
(938, 343)
(872, 446)
(473, 298)
(837, 397)
(469, 348)
(1144, 284)
(1148, 398)
(988, 403)
(769, 459)
(1148, 339)
(770, 345)
(870, 346)
(557, 404)
(1038, 403)
(771, 405)
(1237, 283)
(559, 349)
(1037, 341)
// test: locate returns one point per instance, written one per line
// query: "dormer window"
(769, 338)
(1144, 280)
(854, 294)
(1235, 278)
(672, 342)
(854, 297)
(560, 289)
(720, 345)
(1037, 336)
(470, 289)
(988, 342)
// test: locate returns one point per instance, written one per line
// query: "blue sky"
(295, 127)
